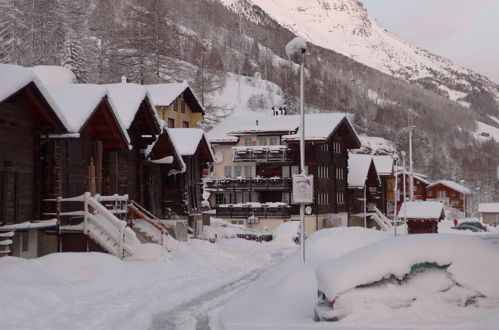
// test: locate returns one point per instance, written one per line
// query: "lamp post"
(299, 46)
(464, 199)
(365, 206)
(395, 162)
(403, 175)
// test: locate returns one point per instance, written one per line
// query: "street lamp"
(299, 46)
(395, 162)
(464, 199)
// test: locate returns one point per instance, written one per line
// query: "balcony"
(249, 184)
(262, 154)
(259, 210)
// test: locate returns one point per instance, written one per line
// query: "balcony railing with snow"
(260, 210)
(262, 154)
(252, 184)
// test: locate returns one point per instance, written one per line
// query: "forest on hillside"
(198, 41)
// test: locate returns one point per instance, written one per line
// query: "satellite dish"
(219, 157)
(308, 210)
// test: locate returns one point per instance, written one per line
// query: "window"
(25, 240)
(453, 193)
(286, 197)
(295, 170)
(262, 140)
(175, 105)
(219, 199)
(237, 222)
(340, 197)
(323, 172)
(182, 106)
(247, 141)
(336, 147)
(227, 171)
(373, 190)
(171, 123)
(248, 171)
(185, 124)
(237, 171)
(340, 173)
(285, 171)
(274, 140)
(441, 194)
(429, 193)
(324, 147)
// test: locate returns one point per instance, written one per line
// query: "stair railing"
(150, 219)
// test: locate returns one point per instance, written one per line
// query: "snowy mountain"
(344, 26)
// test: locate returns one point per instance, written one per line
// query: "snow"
(384, 164)
(296, 46)
(99, 291)
(31, 225)
(485, 132)
(126, 99)
(452, 185)
(318, 126)
(238, 90)
(469, 259)
(285, 296)
(358, 169)
(165, 94)
(14, 77)
(54, 74)
(175, 149)
(375, 146)
(78, 102)
(186, 139)
(421, 210)
(345, 27)
(164, 160)
(488, 208)
(286, 232)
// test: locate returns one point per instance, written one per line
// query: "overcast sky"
(464, 31)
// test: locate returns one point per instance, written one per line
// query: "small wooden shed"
(422, 217)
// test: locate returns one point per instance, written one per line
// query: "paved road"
(202, 312)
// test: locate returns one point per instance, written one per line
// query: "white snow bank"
(286, 232)
(54, 74)
(469, 259)
(374, 145)
(284, 297)
(149, 251)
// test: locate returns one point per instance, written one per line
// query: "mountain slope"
(344, 26)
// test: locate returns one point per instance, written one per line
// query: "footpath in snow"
(99, 291)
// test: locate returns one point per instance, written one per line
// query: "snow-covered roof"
(54, 74)
(421, 210)
(358, 169)
(126, 99)
(317, 126)
(452, 185)
(78, 102)
(375, 146)
(488, 208)
(15, 77)
(167, 133)
(384, 164)
(165, 94)
(417, 176)
(469, 262)
(186, 139)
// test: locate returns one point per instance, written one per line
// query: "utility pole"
(365, 206)
(411, 175)
(395, 191)
(403, 175)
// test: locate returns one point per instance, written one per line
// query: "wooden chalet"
(176, 104)
(127, 171)
(197, 155)
(26, 113)
(363, 180)
(255, 158)
(450, 193)
(80, 161)
(421, 183)
(422, 217)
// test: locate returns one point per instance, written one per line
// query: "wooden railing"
(251, 184)
(262, 155)
(245, 211)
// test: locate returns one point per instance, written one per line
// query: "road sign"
(303, 189)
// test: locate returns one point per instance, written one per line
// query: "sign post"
(303, 194)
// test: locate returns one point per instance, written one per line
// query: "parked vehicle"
(471, 225)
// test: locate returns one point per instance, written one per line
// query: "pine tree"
(74, 57)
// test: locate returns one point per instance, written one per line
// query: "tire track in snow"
(201, 313)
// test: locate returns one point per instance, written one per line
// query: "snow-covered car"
(402, 271)
(467, 227)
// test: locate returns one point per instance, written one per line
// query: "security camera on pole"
(303, 189)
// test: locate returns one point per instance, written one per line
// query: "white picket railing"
(102, 225)
(381, 220)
